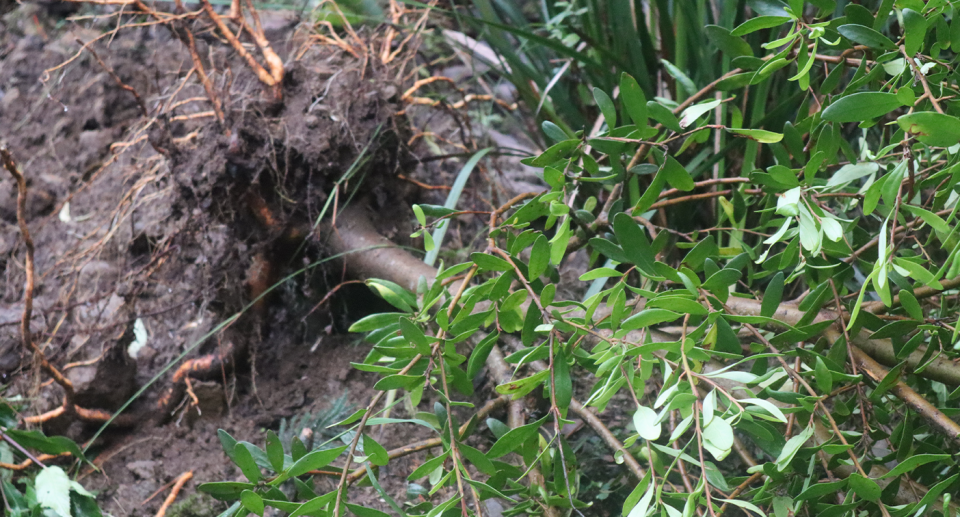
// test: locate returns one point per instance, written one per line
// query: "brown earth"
(178, 222)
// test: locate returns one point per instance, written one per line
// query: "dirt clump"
(152, 232)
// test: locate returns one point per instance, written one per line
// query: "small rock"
(143, 469)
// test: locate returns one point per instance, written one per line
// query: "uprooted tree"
(771, 289)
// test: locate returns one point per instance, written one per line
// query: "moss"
(197, 505)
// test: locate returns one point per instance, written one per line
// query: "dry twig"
(173, 493)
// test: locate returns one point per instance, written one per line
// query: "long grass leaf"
(451, 203)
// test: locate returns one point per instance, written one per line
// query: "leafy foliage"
(765, 226)
(49, 491)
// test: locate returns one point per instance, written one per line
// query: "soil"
(152, 232)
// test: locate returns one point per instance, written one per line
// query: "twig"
(791, 315)
(116, 78)
(265, 77)
(922, 78)
(173, 493)
(20, 448)
(187, 38)
(11, 165)
(30, 461)
(594, 422)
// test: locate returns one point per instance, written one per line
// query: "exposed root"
(29, 461)
(203, 367)
(271, 78)
(182, 480)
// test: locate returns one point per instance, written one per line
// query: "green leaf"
(606, 107)
(915, 461)
(375, 452)
(643, 504)
(553, 153)
(664, 116)
(514, 439)
(918, 273)
(718, 438)
(734, 82)
(412, 333)
(772, 296)
(397, 381)
(816, 490)
(914, 31)
(683, 80)
(633, 241)
(788, 204)
(52, 487)
(851, 172)
(539, 257)
(365, 511)
(274, 451)
(932, 128)
(866, 36)
(906, 96)
(600, 272)
(678, 304)
(634, 100)
(393, 294)
(728, 43)
(375, 322)
(490, 262)
(911, 305)
(553, 131)
(562, 381)
(313, 506)
(676, 175)
(227, 490)
(312, 461)
(478, 459)
(244, 460)
(889, 381)
(46, 444)
(480, 353)
(758, 135)
(648, 317)
(767, 406)
(521, 387)
(864, 487)
(691, 114)
(759, 23)
(791, 447)
(434, 210)
(427, 467)
(745, 505)
(861, 106)
(418, 212)
(252, 501)
(823, 377)
(934, 220)
(646, 421)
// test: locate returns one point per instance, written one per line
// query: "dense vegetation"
(766, 194)
(769, 203)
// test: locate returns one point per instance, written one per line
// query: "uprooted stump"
(151, 231)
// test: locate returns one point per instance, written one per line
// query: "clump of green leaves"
(48, 491)
(265, 471)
